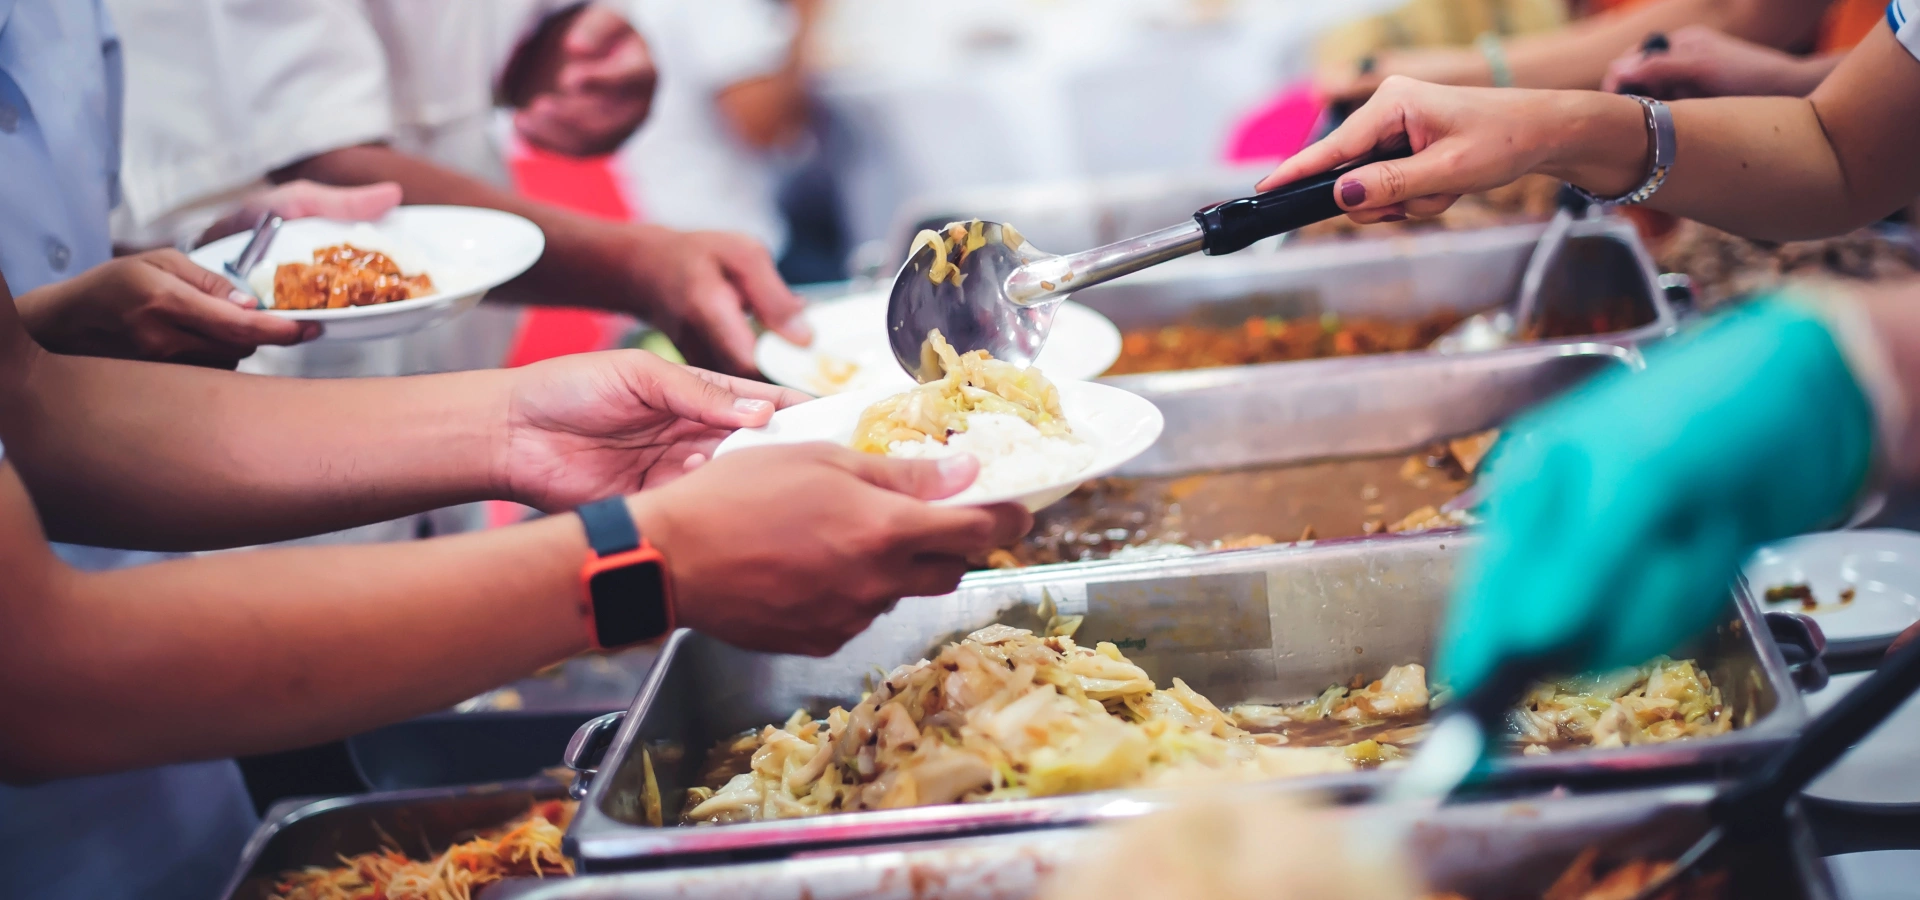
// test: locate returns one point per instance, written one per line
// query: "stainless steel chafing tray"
(1604, 274)
(1276, 624)
(1483, 850)
(299, 833)
(1246, 423)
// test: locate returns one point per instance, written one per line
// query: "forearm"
(199, 658)
(162, 457)
(1776, 168)
(573, 271)
(1576, 57)
(768, 112)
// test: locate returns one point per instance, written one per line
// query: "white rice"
(1014, 457)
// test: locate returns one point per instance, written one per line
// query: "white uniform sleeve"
(1904, 17)
(221, 92)
(715, 43)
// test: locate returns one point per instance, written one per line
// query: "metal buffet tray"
(298, 833)
(1604, 273)
(1275, 624)
(1482, 850)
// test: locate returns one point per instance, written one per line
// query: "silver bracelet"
(1660, 134)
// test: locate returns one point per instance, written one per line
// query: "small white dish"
(1878, 773)
(468, 251)
(1880, 566)
(852, 331)
(1119, 425)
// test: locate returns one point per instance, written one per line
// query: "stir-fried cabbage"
(1001, 715)
(1663, 700)
(972, 383)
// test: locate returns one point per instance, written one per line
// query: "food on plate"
(1265, 339)
(1722, 266)
(1803, 594)
(1007, 417)
(1005, 714)
(834, 374)
(953, 244)
(526, 846)
(344, 275)
(1142, 518)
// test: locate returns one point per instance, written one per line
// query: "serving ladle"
(1001, 292)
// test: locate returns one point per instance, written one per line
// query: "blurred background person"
(226, 93)
(1578, 54)
(227, 96)
(732, 123)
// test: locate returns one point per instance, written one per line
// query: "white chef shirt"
(1903, 16)
(174, 832)
(222, 92)
(686, 168)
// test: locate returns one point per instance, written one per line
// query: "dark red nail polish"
(1393, 217)
(1352, 193)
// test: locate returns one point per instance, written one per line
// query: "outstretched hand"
(596, 425)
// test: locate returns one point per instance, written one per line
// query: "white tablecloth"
(932, 95)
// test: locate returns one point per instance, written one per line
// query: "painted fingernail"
(750, 406)
(240, 298)
(1352, 193)
(1393, 217)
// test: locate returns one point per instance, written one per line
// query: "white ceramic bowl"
(1881, 565)
(468, 251)
(853, 329)
(1119, 425)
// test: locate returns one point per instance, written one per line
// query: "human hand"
(698, 287)
(583, 84)
(1703, 62)
(156, 306)
(1466, 140)
(1617, 515)
(1346, 83)
(603, 424)
(796, 549)
(303, 199)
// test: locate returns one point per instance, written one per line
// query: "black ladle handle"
(1760, 797)
(1234, 225)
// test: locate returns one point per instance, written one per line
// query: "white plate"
(853, 329)
(468, 251)
(1119, 425)
(1882, 566)
(1880, 771)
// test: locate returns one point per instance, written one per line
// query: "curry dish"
(1133, 517)
(344, 275)
(1265, 339)
(1005, 714)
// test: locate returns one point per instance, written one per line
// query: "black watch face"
(630, 604)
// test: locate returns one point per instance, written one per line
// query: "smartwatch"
(628, 596)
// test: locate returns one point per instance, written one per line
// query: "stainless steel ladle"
(1002, 298)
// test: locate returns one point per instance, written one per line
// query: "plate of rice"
(415, 268)
(850, 350)
(1036, 440)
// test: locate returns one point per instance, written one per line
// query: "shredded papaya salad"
(526, 846)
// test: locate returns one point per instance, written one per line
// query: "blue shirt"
(174, 832)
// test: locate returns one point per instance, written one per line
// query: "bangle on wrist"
(1495, 54)
(1662, 147)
